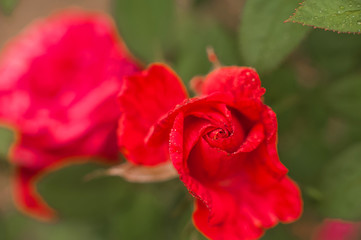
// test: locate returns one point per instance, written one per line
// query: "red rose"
(59, 82)
(223, 145)
(335, 229)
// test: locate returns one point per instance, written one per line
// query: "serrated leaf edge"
(289, 20)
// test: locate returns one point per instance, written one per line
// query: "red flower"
(58, 85)
(333, 229)
(223, 145)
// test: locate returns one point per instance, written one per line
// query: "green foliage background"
(313, 83)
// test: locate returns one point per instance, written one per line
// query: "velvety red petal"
(242, 82)
(239, 194)
(59, 81)
(228, 134)
(56, 62)
(176, 150)
(244, 229)
(251, 109)
(269, 120)
(24, 188)
(161, 129)
(144, 99)
(33, 162)
(253, 139)
(27, 197)
(223, 145)
(247, 214)
(194, 132)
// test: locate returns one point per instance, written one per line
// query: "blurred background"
(313, 83)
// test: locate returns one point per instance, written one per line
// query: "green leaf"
(341, 185)
(7, 138)
(344, 97)
(73, 197)
(335, 15)
(265, 40)
(146, 26)
(7, 6)
(118, 208)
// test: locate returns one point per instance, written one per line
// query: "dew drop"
(342, 7)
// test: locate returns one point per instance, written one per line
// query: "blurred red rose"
(334, 229)
(223, 145)
(58, 85)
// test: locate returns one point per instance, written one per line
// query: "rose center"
(228, 137)
(218, 133)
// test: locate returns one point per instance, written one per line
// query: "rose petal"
(161, 129)
(337, 229)
(270, 122)
(242, 82)
(246, 214)
(252, 109)
(144, 98)
(253, 139)
(249, 185)
(25, 194)
(176, 155)
(194, 131)
(228, 159)
(241, 192)
(58, 85)
(27, 197)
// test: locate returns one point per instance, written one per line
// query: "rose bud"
(59, 82)
(223, 145)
